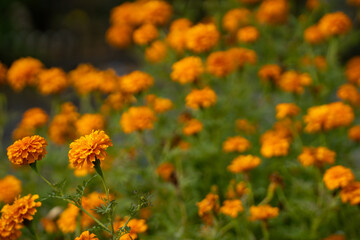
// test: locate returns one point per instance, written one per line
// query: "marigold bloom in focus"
(232, 208)
(137, 119)
(88, 148)
(52, 81)
(136, 226)
(10, 188)
(316, 156)
(192, 127)
(248, 34)
(244, 163)
(354, 133)
(202, 37)
(166, 171)
(87, 236)
(236, 144)
(273, 12)
(236, 18)
(349, 92)
(201, 98)
(263, 212)
(187, 70)
(145, 34)
(284, 110)
(27, 150)
(23, 72)
(156, 52)
(352, 70)
(351, 193)
(220, 63)
(338, 176)
(88, 122)
(313, 35)
(328, 116)
(291, 81)
(119, 35)
(135, 82)
(332, 24)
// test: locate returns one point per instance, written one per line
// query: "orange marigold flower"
(156, 52)
(220, 63)
(201, 98)
(160, 105)
(241, 56)
(316, 156)
(335, 237)
(3, 73)
(284, 110)
(135, 82)
(241, 189)
(313, 35)
(136, 226)
(34, 117)
(332, 24)
(263, 212)
(236, 144)
(49, 225)
(232, 208)
(88, 148)
(245, 126)
(177, 40)
(180, 24)
(248, 34)
(202, 37)
(352, 70)
(291, 81)
(156, 12)
(208, 204)
(349, 92)
(236, 18)
(27, 150)
(354, 133)
(22, 209)
(187, 70)
(52, 81)
(119, 35)
(166, 171)
(274, 144)
(273, 12)
(127, 13)
(23, 72)
(68, 219)
(192, 127)
(351, 193)
(338, 176)
(87, 236)
(137, 119)
(117, 101)
(10, 188)
(244, 163)
(328, 116)
(88, 122)
(270, 72)
(145, 34)
(312, 4)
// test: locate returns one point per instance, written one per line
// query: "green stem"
(264, 229)
(31, 229)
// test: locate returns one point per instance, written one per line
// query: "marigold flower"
(263, 212)
(127, 13)
(202, 37)
(145, 34)
(349, 92)
(49, 225)
(313, 35)
(88, 148)
(87, 236)
(236, 144)
(34, 118)
(245, 126)
(9, 230)
(187, 70)
(137, 119)
(22, 209)
(166, 171)
(338, 176)
(270, 72)
(10, 188)
(220, 63)
(180, 24)
(236, 18)
(192, 127)
(88, 122)
(284, 110)
(241, 56)
(119, 35)
(160, 105)
(23, 72)
(273, 12)
(135, 82)
(208, 204)
(232, 208)
(352, 70)
(156, 12)
(27, 150)
(241, 189)
(316, 156)
(201, 98)
(176, 39)
(248, 34)
(52, 81)
(156, 52)
(274, 144)
(328, 116)
(68, 219)
(291, 81)
(136, 226)
(354, 133)
(117, 101)
(351, 193)
(337, 23)
(312, 4)
(244, 163)
(85, 78)
(109, 82)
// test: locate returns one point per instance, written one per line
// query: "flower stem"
(264, 229)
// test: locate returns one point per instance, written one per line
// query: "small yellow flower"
(87, 236)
